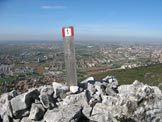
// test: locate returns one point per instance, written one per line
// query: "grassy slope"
(151, 75)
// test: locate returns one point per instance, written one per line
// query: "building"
(6, 69)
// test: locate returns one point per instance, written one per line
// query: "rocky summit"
(90, 101)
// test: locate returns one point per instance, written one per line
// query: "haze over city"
(92, 19)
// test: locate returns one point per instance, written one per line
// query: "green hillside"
(151, 75)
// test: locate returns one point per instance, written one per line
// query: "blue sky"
(92, 19)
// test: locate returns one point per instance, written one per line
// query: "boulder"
(79, 99)
(53, 116)
(157, 91)
(74, 89)
(26, 119)
(136, 83)
(110, 92)
(60, 90)
(16, 120)
(47, 89)
(149, 111)
(100, 88)
(21, 103)
(112, 81)
(84, 84)
(6, 118)
(101, 113)
(88, 96)
(46, 97)
(128, 90)
(145, 92)
(67, 113)
(47, 101)
(98, 103)
(109, 100)
(5, 105)
(36, 112)
(91, 88)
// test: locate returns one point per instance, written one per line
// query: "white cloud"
(54, 7)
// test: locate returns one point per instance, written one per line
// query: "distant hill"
(151, 75)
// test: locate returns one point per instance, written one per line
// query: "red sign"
(67, 32)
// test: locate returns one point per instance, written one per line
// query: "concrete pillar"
(70, 60)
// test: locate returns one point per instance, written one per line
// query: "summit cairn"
(91, 101)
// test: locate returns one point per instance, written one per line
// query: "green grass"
(151, 75)
(8, 79)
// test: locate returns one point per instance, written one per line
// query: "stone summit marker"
(69, 55)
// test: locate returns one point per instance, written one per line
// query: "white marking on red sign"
(67, 31)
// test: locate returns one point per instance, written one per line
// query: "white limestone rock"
(101, 113)
(91, 88)
(21, 103)
(98, 102)
(74, 89)
(53, 116)
(36, 112)
(75, 98)
(84, 83)
(47, 101)
(5, 105)
(112, 81)
(60, 90)
(47, 90)
(67, 113)
(98, 86)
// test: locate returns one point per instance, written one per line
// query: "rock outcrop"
(90, 101)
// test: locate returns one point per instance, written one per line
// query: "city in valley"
(26, 64)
